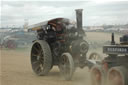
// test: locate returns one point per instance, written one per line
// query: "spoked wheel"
(41, 58)
(95, 56)
(97, 75)
(117, 76)
(66, 66)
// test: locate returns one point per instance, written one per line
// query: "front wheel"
(97, 75)
(66, 66)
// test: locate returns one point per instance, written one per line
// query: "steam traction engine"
(60, 42)
(114, 68)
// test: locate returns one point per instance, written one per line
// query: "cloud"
(95, 13)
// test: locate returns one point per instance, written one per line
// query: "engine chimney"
(113, 40)
(79, 20)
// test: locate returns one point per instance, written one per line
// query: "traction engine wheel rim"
(37, 58)
(41, 57)
(11, 44)
(96, 76)
(94, 56)
(115, 77)
(66, 66)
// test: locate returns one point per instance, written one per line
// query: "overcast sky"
(94, 13)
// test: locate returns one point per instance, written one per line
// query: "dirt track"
(16, 70)
(16, 67)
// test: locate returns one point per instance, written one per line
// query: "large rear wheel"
(66, 66)
(41, 58)
(117, 76)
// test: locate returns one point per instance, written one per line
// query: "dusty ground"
(15, 68)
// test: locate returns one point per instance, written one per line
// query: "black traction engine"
(60, 42)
